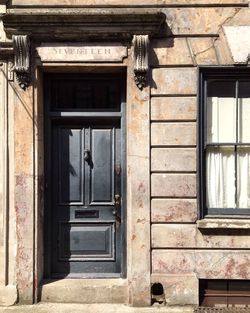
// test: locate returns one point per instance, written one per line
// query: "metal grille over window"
(221, 310)
(224, 296)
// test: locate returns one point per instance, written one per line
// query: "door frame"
(48, 219)
(135, 288)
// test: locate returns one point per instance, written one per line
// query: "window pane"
(243, 178)
(220, 177)
(221, 112)
(244, 112)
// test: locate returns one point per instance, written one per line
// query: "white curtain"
(243, 179)
(221, 177)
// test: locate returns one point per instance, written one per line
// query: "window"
(224, 293)
(225, 142)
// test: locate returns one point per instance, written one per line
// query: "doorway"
(85, 218)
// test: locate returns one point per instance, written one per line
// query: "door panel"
(86, 231)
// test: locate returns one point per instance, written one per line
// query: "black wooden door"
(86, 190)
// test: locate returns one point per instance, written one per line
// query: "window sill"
(222, 223)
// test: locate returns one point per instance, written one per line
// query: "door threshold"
(67, 290)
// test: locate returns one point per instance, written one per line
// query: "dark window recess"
(90, 93)
(224, 294)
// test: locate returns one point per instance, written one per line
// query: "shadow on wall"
(166, 41)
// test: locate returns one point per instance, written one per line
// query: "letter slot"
(86, 214)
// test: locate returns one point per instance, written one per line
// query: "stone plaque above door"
(81, 52)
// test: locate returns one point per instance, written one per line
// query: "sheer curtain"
(220, 178)
(227, 186)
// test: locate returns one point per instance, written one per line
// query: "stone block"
(8, 295)
(173, 210)
(173, 108)
(222, 50)
(85, 291)
(173, 236)
(170, 51)
(173, 185)
(203, 51)
(178, 289)
(189, 236)
(174, 81)
(237, 38)
(199, 21)
(173, 159)
(223, 238)
(178, 262)
(173, 134)
(223, 264)
(207, 264)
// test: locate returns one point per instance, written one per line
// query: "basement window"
(224, 294)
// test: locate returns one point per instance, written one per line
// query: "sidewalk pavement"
(91, 308)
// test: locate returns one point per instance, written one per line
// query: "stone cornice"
(77, 24)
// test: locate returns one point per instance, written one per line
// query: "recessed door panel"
(102, 171)
(71, 180)
(85, 241)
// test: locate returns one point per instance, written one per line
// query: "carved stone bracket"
(21, 46)
(141, 44)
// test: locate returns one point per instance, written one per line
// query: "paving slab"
(91, 308)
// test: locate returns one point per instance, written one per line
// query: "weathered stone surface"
(91, 291)
(178, 289)
(173, 236)
(222, 50)
(121, 2)
(24, 197)
(171, 159)
(173, 185)
(173, 210)
(183, 235)
(8, 295)
(206, 264)
(203, 51)
(237, 38)
(173, 134)
(173, 262)
(95, 308)
(4, 179)
(138, 192)
(82, 52)
(223, 239)
(170, 51)
(241, 18)
(174, 81)
(173, 108)
(224, 223)
(199, 21)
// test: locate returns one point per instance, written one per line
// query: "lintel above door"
(81, 23)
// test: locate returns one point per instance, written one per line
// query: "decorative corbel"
(21, 46)
(141, 44)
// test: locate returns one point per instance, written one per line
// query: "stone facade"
(167, 243)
